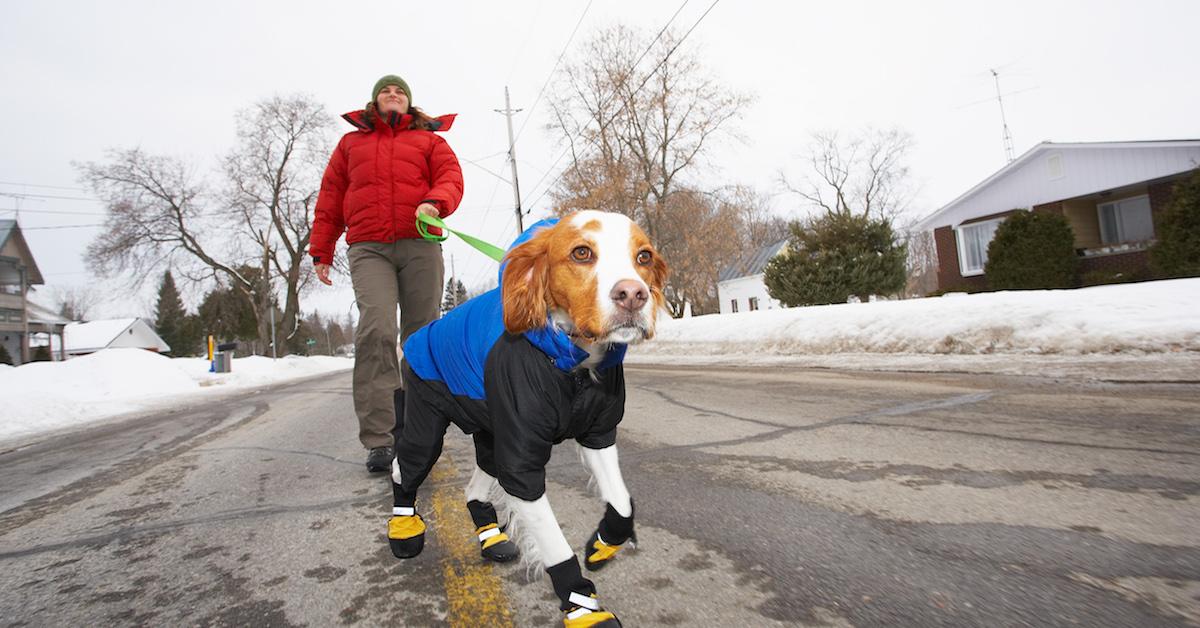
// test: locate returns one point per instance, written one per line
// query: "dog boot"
(494, 544)
(406, 532)
(578, 597)
(610, 536)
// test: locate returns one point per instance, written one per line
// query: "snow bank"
(43, 396)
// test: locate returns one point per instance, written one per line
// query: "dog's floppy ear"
(658, 279)
(526, 277)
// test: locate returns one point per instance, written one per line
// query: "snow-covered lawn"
(43, 396)
(1145, 331)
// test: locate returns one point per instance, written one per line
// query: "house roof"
(1087, 168)
(10, 230)
(96, 335)
(752, 263)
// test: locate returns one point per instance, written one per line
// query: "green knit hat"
(391, 79)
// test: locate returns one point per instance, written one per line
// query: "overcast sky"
(81, 77)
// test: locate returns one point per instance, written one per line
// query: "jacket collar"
(557, 345)
(358, 119)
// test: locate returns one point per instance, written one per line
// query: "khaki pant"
(408, 273)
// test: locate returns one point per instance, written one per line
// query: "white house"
(1109, 192)
(740, 287)
(84, 338)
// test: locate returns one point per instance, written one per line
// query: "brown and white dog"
(526, 366)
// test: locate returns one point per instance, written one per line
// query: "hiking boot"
(380, 459)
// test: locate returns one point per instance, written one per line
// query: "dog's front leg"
(576, 593)
(617, 525)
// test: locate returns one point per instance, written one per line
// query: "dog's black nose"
(629, 294)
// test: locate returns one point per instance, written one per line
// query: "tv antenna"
(1008, 143)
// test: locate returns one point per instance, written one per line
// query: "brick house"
(1110, 193)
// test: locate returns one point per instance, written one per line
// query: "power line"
(550, 76)
(61, 198)
(61, 227)
(51, 211)
(665, 58)
(52, 187)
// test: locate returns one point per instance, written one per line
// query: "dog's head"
(595, 273)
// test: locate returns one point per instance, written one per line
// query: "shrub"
(835, 256)
(1177, 252)
(1030, 251)
(40, 354)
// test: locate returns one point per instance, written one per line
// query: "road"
(765, 496)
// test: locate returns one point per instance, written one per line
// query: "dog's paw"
(597, 553)
(406, 535)
(494, 544)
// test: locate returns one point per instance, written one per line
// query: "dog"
(523, 367)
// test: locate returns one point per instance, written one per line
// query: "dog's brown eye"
(581, 254)
(644, 258)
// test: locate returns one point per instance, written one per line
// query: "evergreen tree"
(1177, 252)
(170, 319)
(1032, 251)
(227, 315)
(834, 256)
(456, 294)
(5, 357)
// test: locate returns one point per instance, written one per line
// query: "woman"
(381, 175)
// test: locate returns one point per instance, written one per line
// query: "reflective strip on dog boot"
(495, 545)
(406, 535)
(587, 613)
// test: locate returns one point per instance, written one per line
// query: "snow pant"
(408, 273)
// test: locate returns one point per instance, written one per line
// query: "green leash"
(486, 248)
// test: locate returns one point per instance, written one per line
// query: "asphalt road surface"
(765, 496)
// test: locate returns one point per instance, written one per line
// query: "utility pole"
(453, 283)
(508, 112)
(1008, 143)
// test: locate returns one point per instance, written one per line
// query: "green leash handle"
(424, 221)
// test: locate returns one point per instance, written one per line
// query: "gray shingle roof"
(752, 263)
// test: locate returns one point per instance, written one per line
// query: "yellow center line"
(474, 595)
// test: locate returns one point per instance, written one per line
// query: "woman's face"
(392, 98)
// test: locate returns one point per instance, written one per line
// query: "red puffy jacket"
(377, 176)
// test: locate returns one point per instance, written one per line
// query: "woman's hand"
(322, 271)
(429, 209)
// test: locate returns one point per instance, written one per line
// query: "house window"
(1126, 220)
(973, 243)
(753, 303)
(1054, 166)
(733, 302)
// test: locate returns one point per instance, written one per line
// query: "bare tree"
(161, 214)
(860, 174)
(635, 132)
(273, 177)
(921, 264)
(75, 302)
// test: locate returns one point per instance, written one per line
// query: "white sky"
(1141, 332)
(80, 77)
